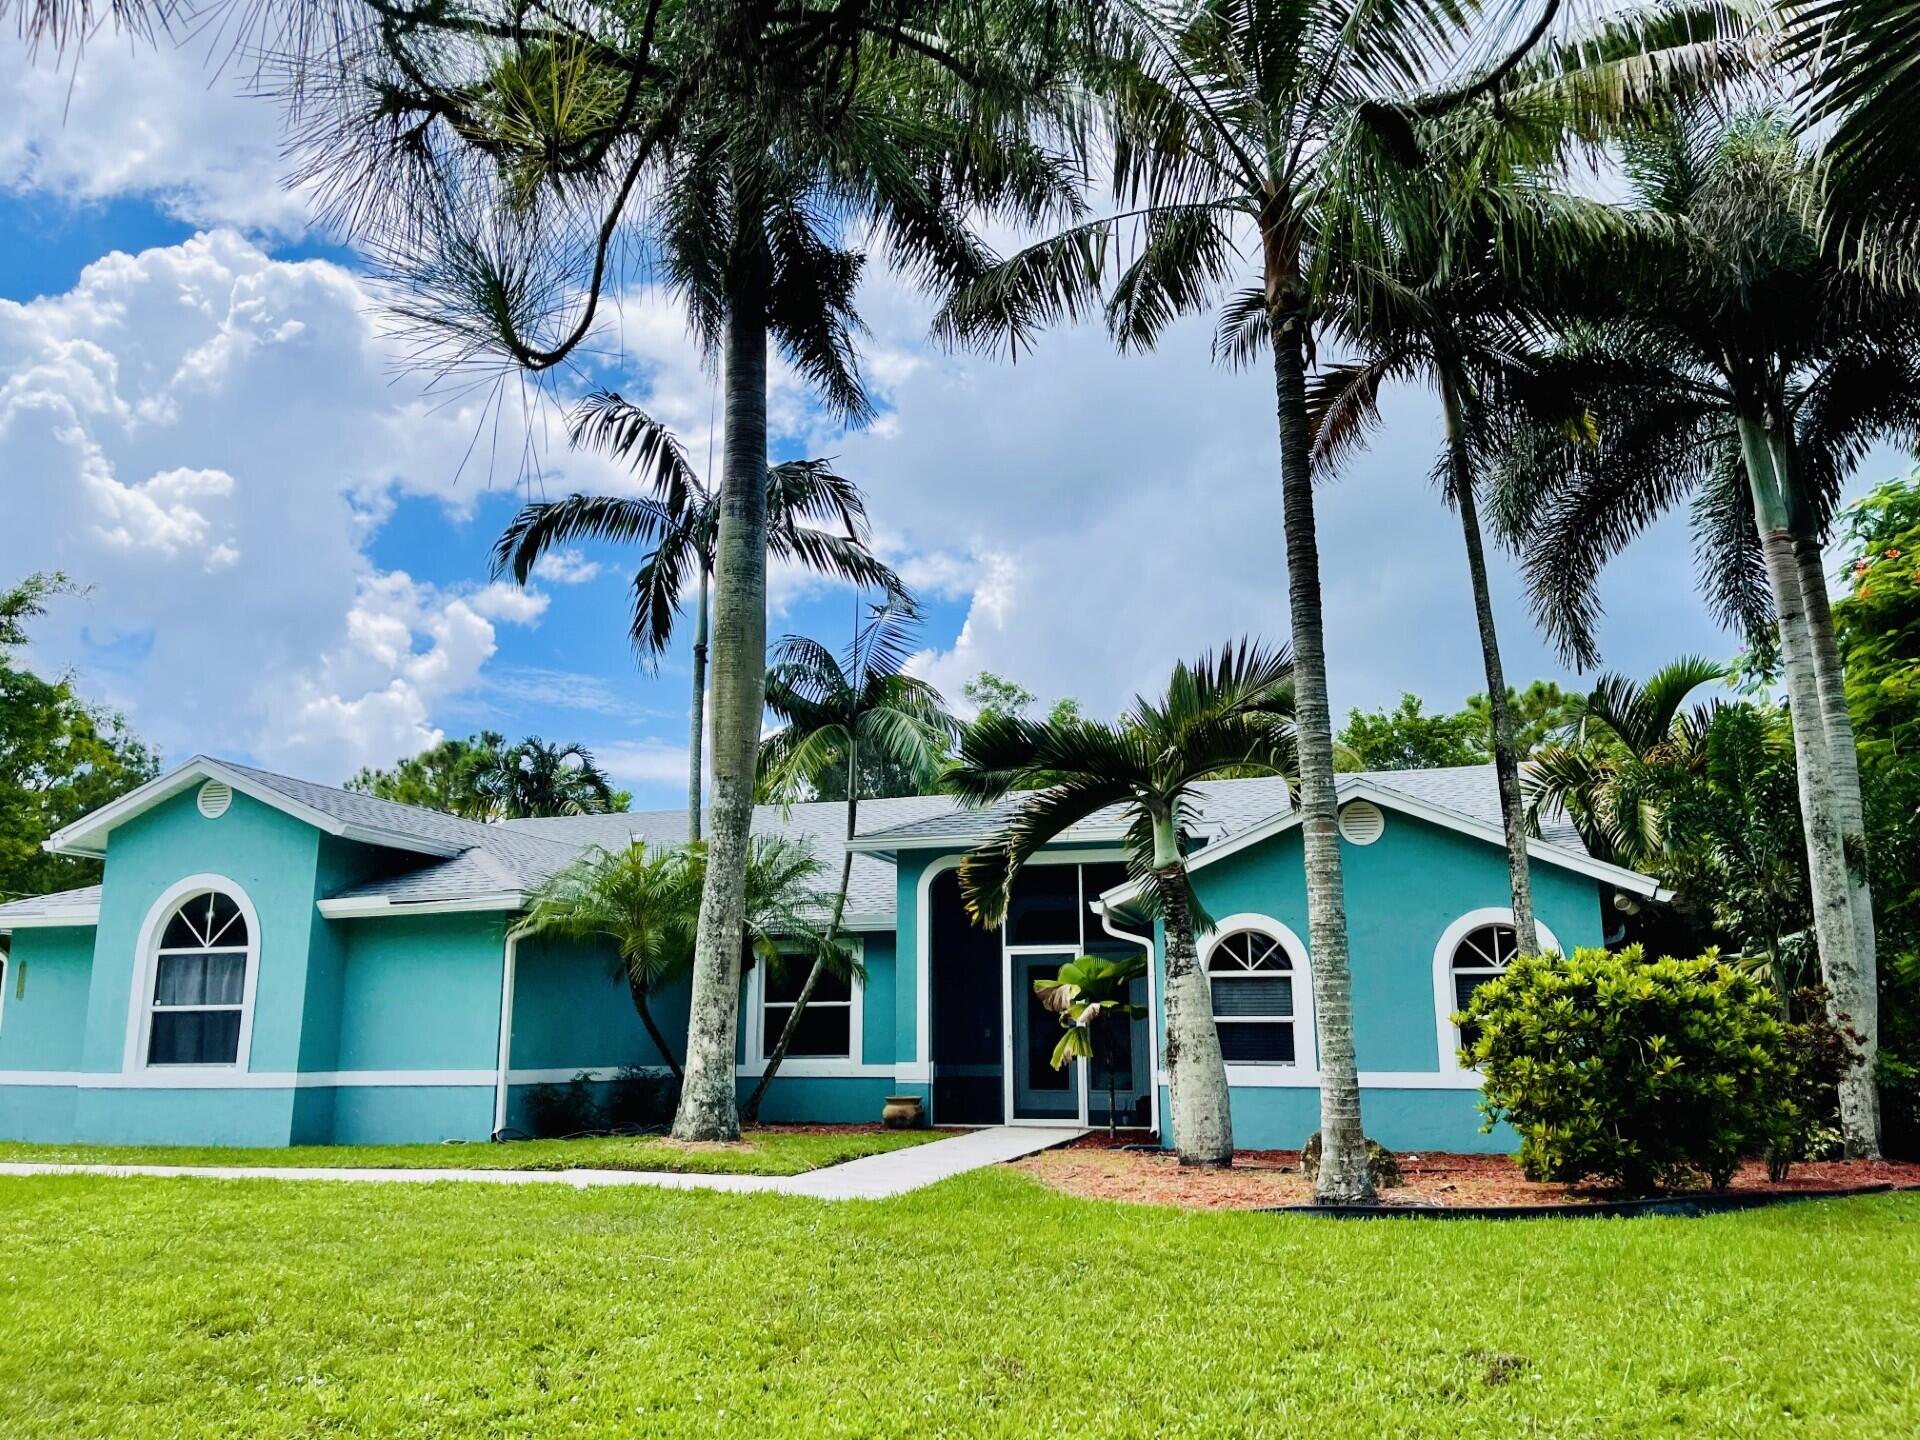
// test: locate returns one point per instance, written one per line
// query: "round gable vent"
(1361, 822)
(214, 798)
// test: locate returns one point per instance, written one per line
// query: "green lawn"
(772, 1151)
(983, 1306)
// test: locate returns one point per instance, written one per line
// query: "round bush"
(1646, 1074)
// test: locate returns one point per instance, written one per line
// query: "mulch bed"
(1263, 1179)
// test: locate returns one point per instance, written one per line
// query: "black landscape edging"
(1688, 1206)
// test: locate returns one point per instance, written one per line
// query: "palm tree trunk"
(750, 1112)
(654, 1034)
(1775, 502)
(1837, 725)
(1343, 1178)
(707, 1098)
(1506, 764)
(697, 730)
(1196, 1073)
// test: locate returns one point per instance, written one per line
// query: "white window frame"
(1446, 1033)
(805, 1065)
(140, 1007)
(1306, 1046)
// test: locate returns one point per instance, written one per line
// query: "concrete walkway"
(872, 1177)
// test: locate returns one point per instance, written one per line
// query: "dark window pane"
(785, 980)
(229, 925)
(824, 1032)
(1489, 945)
(1097, 880)
(1257, 1044)
(179, 934)
(785, 977)
(1045, 907)
(195, 1037)
(1255, 995)
(211, 920)
(1465, 985)
(200, 980)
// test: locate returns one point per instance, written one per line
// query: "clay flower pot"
(904, 1112)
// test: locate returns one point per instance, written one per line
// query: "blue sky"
(285, 528)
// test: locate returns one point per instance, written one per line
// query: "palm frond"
(622, 431)
(548, 524)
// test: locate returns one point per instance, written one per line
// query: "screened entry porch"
(993, 1040)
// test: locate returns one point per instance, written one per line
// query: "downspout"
(509, 964)
(1145, 942)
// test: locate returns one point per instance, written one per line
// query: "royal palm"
(680, 522)
(508, 165)
(1232, 125)
(1729, 354)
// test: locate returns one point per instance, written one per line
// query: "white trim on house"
(73, 916)
(88, 836)
(509, 971)
(804, 1066)
(1306, 1039)
(1360, 789)
(377, 907)
(208, 1078)
(1446, 1033)
(140, 1006)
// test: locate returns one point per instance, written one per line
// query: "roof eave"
(80, 917)
(1618, 876)
(385, 907)
(87, 837)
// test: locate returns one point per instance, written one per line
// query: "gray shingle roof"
(1473, 791)
(87, 897)
(1225, 807)
(870, 888)
(515, 856)
(370, 811)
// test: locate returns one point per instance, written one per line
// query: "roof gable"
(1381, 789)
(343, 813)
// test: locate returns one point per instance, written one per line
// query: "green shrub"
(1642, 1073)
(1818, 1055)
(554, 1111)
(640, 1098)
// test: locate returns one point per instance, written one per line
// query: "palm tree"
(1226, 714)
(1864, 93)
(537, 777)
(1090, 995)
(507, 165)
(72, 22)
(1234, 121)
(643, 902)
(647, 904)
(846, 713)
(1429, 306)
(1613, 779)
(680, 521)
(1731, 354)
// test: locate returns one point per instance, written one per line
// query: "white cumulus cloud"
(210, 439)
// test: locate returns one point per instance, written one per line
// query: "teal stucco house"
(272, 962)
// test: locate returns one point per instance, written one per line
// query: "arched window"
(1479, 956)
(1476, 948)
(1253, 980)
(200, 978)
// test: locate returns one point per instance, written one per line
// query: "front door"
(1039, 1092)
